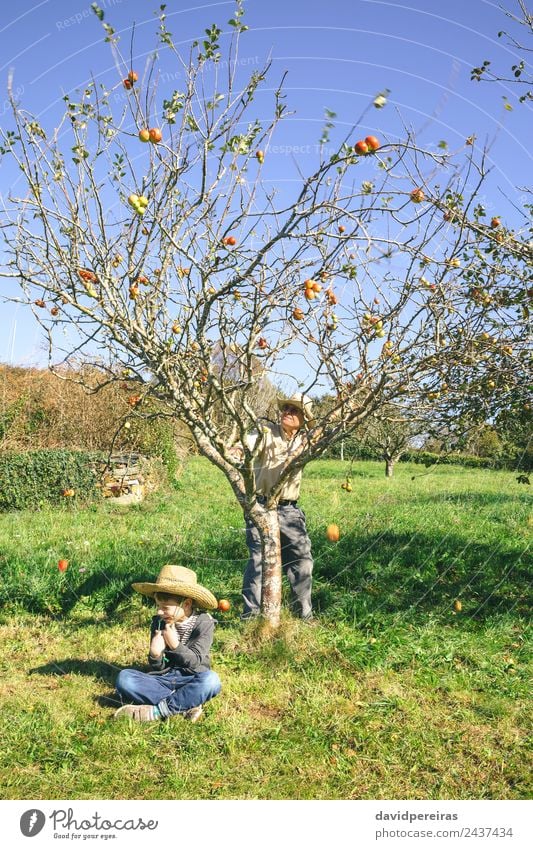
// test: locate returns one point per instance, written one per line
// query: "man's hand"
(236, 453)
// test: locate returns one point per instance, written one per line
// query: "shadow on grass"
(478, 499)
(360, 576)
(390, 573)
(97, 669)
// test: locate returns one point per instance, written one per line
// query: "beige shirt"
(276, 449)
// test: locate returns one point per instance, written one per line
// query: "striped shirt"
(184, 629)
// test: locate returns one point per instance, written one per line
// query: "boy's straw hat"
(177, 580)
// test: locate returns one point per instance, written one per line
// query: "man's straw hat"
(302, 402)
(178, 580)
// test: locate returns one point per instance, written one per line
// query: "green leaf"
(97, 11)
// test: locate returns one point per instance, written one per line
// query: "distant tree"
(485, 442)
(389, 433)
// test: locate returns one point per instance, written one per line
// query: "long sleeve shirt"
(191, 655)
(274, 451)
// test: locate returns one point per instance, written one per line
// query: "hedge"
(31, 479)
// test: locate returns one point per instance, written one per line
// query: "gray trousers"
(296, 561)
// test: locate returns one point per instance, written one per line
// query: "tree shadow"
(387, 573)
(98, 669)
(478, 499)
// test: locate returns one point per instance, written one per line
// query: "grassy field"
(394, 695)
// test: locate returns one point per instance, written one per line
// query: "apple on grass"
(62, 565)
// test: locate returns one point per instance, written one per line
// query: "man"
(278, 443)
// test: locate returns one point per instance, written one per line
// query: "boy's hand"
(170, 636)
(157, 644)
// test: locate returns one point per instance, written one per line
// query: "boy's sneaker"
(139, 713)
(193, 714)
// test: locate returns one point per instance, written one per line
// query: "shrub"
(33, 478)
(428, 458)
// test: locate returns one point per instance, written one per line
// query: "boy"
(181, 680)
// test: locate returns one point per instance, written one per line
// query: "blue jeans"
(173, 692)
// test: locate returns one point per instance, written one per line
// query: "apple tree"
(160, 244)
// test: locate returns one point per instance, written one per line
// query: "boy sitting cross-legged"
(181, 633)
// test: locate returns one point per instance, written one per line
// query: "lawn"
(395, 694)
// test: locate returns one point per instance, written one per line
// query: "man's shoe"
(139, 713)
(310, 620)
(193, 714)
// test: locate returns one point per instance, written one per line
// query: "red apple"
(155, 135)
(495, 222)
(62, 565)
(127, 84)
(361, 147)
(224, 605)
(230, 240)
(372, 142)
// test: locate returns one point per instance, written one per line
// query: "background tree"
(188, 268)
(389, 433)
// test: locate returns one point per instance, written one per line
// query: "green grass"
(394, 695)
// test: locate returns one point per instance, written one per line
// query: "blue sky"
(338, 55)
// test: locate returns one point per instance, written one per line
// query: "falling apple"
(333, 533)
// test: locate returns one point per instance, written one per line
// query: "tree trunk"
(267, 524)
(389, 467)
